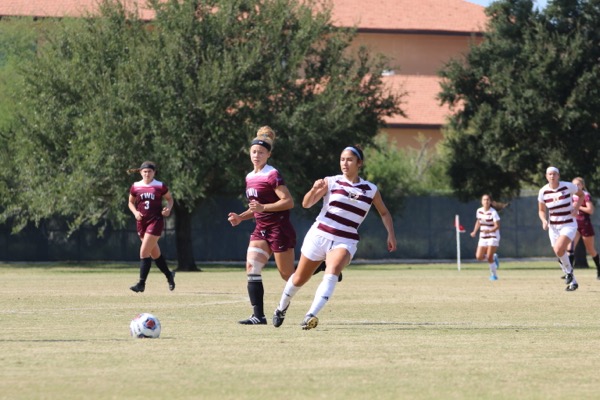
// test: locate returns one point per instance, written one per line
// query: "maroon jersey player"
(146, 203)
(269, 204)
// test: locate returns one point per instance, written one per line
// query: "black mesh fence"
(424, 230)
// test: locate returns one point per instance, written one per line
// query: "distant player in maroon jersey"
(146, 203)
(333, 238)
(488, 224)
(585, 229)
(270, 203)
(557, 213)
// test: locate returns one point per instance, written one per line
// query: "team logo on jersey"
(252, 193)
(556, 197)
(355, 193)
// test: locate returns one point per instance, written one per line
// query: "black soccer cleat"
(278, 317)
(138, 287)
(254, 320)
(172, 281)
(569, 279)
(572, 287)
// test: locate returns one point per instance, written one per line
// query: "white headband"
(552, 169)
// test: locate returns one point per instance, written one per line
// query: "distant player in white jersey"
(333, 237)
(488, 225)
(556, 200)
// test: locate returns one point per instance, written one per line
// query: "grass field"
(389, 332)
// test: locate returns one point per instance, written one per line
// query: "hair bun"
(266, 133)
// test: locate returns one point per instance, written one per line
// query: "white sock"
(323, 293)
(566, 263)
(493, 268)
(288, 292)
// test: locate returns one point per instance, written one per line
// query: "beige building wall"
(410, 137)
(416, 54)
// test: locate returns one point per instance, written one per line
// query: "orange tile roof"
(416, 15)
(419, 15)
(56, 8)
(420, 103)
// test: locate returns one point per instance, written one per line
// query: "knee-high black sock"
(161, 263)
(596, 259)
(256, 292)
(145, 264)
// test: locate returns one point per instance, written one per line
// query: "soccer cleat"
(310, 322)
(569, 279)
(496, 260)
(278, 317)
(172, 281)
(138, 287)
(254, 320)
(493, 277)
(572, 287)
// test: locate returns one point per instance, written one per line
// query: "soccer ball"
(145, 325)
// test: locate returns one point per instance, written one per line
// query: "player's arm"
(386, 218)
(235, 219)
(588, 208)
(285, 202)
(542, 215)
(577, 205)
(131, 204)
(166, 211)
(475, 228)
(315, 194)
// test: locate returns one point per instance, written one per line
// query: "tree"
(188, 90)
(525, 98)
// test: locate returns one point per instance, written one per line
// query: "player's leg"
(148, 243)
(491, 259)
(590, 248)
(336, 260)
(256, 258)
(161, 263)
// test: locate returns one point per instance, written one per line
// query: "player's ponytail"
(145, 164)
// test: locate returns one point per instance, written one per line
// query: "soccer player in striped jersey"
(488, 224)
(270, 203)
(555, 200)
(146, 203)
(333, 237)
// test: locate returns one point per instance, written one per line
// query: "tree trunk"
(183, 238)
(580, 260)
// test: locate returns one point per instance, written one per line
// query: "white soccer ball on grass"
(145, 325)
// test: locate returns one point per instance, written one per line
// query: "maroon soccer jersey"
(260, 186)
(148, 198)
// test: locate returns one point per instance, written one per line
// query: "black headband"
(262, 143)
(148, 165)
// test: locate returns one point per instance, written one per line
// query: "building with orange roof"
(419, 37)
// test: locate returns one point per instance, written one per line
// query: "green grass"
(389, 332)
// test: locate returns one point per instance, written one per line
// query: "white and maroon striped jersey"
(486, 222)
(345, 206)
(559, 202)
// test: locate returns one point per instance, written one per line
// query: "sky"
(485, 3)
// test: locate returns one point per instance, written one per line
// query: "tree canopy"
(525, 98)
(188, 90)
